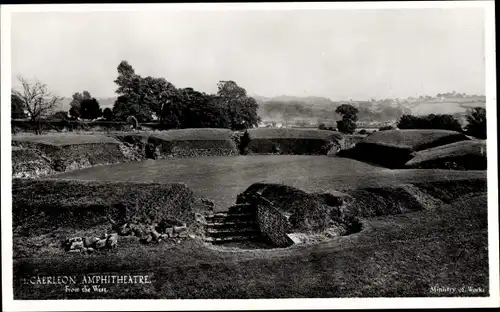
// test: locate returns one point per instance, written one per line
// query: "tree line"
(476, 121)
(146, 99)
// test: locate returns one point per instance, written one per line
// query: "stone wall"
(273, 224)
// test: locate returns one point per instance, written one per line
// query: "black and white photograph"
(330, 154)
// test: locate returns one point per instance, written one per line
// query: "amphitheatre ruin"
(204, 204)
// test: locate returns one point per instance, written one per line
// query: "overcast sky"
(337, 54)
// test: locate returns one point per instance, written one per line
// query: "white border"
(270, 304)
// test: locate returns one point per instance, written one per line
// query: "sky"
(339, 54)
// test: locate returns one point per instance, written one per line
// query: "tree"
(133, 93)
(348, 112)
(36, 99)
(90, 109)
(107, 113)
(158, 94)
(346, 126)
(62, 115)
(476, 125)
(75, 103)
(206, 111)
(349, 118)
(16, 107)
(242, 109)
(432, 121)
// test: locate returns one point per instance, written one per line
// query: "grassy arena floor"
(223, 178)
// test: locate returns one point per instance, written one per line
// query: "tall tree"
(158, 94)
(205, 111)
(242, 110)
(107, 113)
(349, 118)
(75, 103)
(36, 99)
(90, 109)
(134, 92)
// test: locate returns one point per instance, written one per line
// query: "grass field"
(222, 178)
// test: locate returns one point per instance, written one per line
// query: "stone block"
(100, 244)
(169, 232)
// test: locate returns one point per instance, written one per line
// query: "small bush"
(384, 128)
(132, 121)
(476, 119)
(363, 131)
(243, 144)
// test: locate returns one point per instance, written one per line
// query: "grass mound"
(464, 155)
(71, 152)
(292, 141)
(317, 211)
(309, 212)
(409, 197)
(40, 206)
(393, 148)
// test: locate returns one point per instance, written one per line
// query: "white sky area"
(340, 54)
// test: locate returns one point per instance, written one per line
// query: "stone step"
(230, 223)
(226, 217)
(215, 240)
(232, 230)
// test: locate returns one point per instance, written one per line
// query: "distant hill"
(319, 109)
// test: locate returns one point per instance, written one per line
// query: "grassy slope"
(414, 139)
(401, 255)
(41, 206)
(449, 151)
(29, 163)
(285, 133)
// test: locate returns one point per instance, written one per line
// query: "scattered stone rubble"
(147, 234)
(91, 244)
(151, 233)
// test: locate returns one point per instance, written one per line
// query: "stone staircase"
(238, 223)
